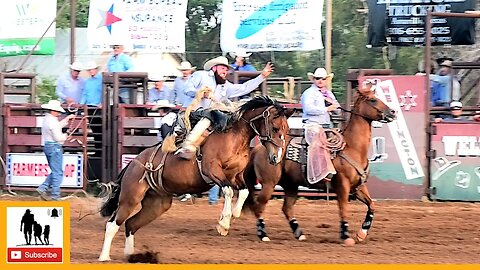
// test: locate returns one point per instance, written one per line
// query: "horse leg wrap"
(297, 232)
(367, 223)
(344, 230)
(261, 231)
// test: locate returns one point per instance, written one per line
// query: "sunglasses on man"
(116, 47)
(320, 78)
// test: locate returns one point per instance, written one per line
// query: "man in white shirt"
(214, 79)
(52, 141)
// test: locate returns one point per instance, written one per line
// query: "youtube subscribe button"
(38, 255)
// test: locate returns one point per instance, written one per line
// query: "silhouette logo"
(34, 234)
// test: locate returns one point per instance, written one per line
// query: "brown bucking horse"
(154, 177)
(351, 165)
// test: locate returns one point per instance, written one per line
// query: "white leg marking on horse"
(242, 196)
(226, 215)
(110, 230)
(129, 245)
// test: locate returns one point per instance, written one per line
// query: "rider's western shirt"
(313, 105)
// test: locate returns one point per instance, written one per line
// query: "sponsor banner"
(149, 26)
(402, 22)
(31, 169)
(22, 23)
(36, 232)
(385, 90)
(266, 25)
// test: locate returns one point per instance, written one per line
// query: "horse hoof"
(265, 239)
(349, 242)
(302, 238)
(221, 230)
(361, 236)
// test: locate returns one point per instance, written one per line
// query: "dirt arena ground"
(402, 232)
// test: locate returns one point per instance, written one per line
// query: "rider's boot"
(193, 140)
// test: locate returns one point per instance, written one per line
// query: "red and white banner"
(31, 169)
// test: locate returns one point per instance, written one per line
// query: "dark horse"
(154, 177)
(351, 165)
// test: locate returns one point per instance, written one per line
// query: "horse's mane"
(258, 102)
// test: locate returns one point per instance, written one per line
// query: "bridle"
(265, 115)
(382, 113)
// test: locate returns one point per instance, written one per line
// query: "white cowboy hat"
(240, 52)
(53, 105)
(319, 73)
(446, 63)
(162, 103)
(76, 66)
(156, 77)
(90, 65)
(220, 60)
(443, 165)
(185, 65)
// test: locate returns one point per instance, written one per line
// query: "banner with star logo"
(22, 23)
(148, 26)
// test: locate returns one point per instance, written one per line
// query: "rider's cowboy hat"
(220, 60)
(76, 66)
(240, 52)
(162, 103)
(53, 105)
(443, 165)
(185, 65)
(319, 73)
(91, 65)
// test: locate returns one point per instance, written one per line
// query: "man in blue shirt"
(160, 91)
(70, 86)
(179, 84)
(441, 85)
(92, 91)
(120, 62)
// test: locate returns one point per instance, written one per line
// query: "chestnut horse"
(351, 165)
(154, 177)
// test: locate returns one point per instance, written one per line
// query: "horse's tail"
(113, 195)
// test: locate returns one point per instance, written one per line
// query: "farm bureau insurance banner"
(402, 22)
(22, 23)
(271, 25)
(149, 25)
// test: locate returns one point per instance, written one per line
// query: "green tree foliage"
(63, 21)
(45, 90)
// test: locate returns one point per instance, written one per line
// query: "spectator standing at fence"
(70, 86)
(52, 141)
(441, 84)
(456, 113)
(120, 62)
(160, 91)
(241, 61)
(92, 91)
(179, 84)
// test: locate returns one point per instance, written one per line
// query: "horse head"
(372, 108)
(268, 120)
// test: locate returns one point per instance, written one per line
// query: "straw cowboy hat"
(185, 65)
(240, 52)
(220, 60)
(76, 66)
(91, 65)
(53, 105)
(443, 165)
(319, 73)
(162, 103)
